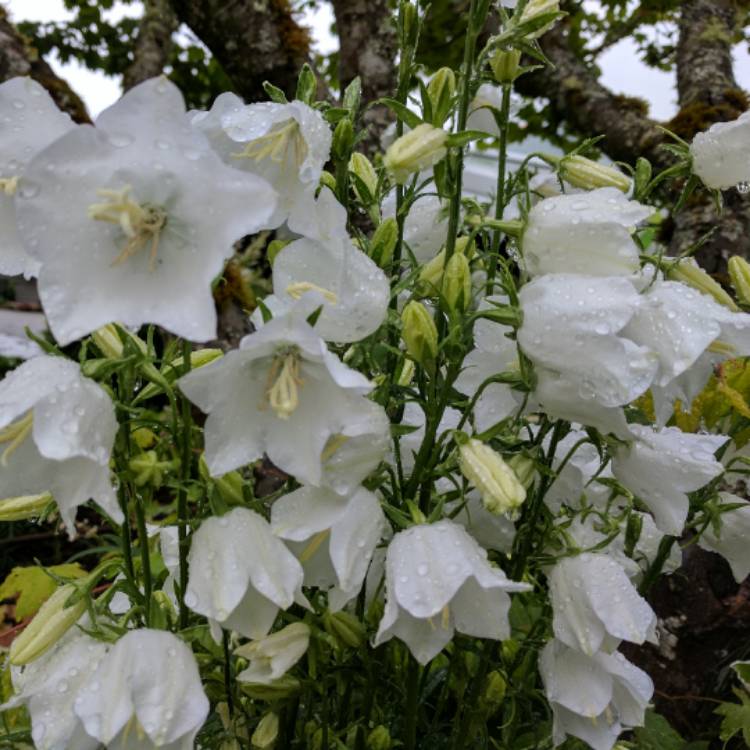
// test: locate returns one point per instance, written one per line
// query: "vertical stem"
(127, 549)
(503, 124)
(145, 559)
(472, 33)
(412, 704)
(182, 509)
(228, 674)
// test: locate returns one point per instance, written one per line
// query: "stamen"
(15, 433)
(140, 223)
(276, 145)
(296, 290)
(722, 347)
(9, 185)
(446, 621)
(283, 382)
(314, 545)
(332, 445)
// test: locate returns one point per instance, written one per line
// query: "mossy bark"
(153, 44)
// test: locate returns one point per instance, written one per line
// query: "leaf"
(31, 586)
(458, 140)
(657, 734)
(736, 718)
(402, 112)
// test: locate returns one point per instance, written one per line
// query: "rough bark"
(154, 43)
(19, 58)
(253, 41)
(708, 93)
(367, 48)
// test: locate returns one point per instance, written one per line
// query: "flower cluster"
(444, 466)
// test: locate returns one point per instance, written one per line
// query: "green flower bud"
(109, 343)
(500, 488)
(327, 180)
(457, 282)
(163, 613)
(24, 507)
(524, 468)
(419, 333)
(148, 469)
(343, 140)
(361, 166)
(441, 89)
(689, 272)
(418, 149)
(506, 65)
(494, 691)
(535, 9)
(588, 175)
(284, 687)
(739, 273)
(379, 739)
(410, 28)
(266, 733)
(50, 624)
(346, 627)
(407, 373)
(383, 242)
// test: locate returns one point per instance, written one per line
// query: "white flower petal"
(732, 540)
(720, 155)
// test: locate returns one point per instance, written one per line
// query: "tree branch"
(368, 49)
(154, 43)
(253, 41)
(19, 58)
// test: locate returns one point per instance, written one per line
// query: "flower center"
(296, 290)
(133, 724)
(9, 185)
(141, 223)
(14, 434)
(282, 141)
(283, 384)
(332, 445)
(314, 545)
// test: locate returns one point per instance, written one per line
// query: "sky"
(621, 70)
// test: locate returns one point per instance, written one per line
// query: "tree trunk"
(154, 43)
(253, 41)
(368, 45)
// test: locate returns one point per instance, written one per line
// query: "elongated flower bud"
(383, 242)
(346, 627)
(108, 341)
(26, 506)
(419, 149)
(505, 65)
(266, 733)
(500, 488)
(50, 623)
(739, 273)
(536, 8)
(524, 468)
(441, 89)
(419, 333)
(690, 273)
(588, 175)
(457, 282)
(361, 166)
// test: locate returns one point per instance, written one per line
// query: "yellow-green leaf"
(31, 586)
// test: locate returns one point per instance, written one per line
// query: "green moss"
(632, 103)
(699, 116)
(294, 37)
(716, 31)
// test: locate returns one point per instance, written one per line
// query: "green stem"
(228, 674)
(182, 507)
(412, 704)
(503, 124)
(140, 517)
(463, 112)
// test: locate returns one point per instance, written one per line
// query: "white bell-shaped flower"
(274, 655)
(133, 219)
(561, 397)
(574, 481)
(680, 324)
(241, 574)
(334, 537)
(731, 539)
(48, 687)
(594, 604)
(588, 234)
(491, 530)
(425, 227)
(146, 693)
(573, 325)
(662, 467)
(57, 429)
(29, 121)
(287, 144)
(332, 273)
(281, 393)
(489, 97)
(594, 698)
(720, 155)
(438, 580)
(493, 353)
